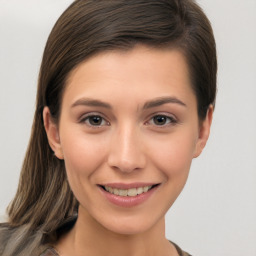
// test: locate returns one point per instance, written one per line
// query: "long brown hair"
(44, 199)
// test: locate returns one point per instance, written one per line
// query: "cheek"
(173, 155)
(83, 157)
(82, 154)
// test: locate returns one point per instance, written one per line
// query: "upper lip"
(128, 185)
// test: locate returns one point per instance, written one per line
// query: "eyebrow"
(161, 101)
(149, 104)
(91, 102)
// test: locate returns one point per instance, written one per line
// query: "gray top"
(28, 240)
(51, 251)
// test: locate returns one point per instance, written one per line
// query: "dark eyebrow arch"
(91, 102)
(161, 101)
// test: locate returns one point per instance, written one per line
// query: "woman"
(125, 100)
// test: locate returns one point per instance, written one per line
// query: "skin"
(127, 145)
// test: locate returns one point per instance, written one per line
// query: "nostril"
(126, 153)
(125, 165)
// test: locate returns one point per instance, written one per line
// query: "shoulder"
(49, 252)
(5, 235)
(180, 251)
(19, 241)
(22, 240)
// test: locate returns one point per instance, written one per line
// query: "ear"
(52, 132)
(204, 132)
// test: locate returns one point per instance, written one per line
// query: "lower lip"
(128, 201)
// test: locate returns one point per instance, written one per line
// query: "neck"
(88, 237)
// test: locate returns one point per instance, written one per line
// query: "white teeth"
(128, 192)
(123, 192)
(145, 189)
(139, 191)
(116, 192)
(132, 192)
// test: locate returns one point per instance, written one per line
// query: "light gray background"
(215, 214)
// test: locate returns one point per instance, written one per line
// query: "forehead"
(141, 70)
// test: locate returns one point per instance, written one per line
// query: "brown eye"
(95, 120)
(162, 120)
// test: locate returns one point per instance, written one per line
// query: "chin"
(128, 229)
(129, 225)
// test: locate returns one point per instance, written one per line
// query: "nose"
(126, 151)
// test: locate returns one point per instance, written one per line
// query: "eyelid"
(174, 119)
(84, 117)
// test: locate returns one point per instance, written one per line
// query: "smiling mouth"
(131, 192)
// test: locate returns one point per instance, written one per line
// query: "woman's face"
(129, 124)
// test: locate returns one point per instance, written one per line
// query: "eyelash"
(169, 120)
(86, 120)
